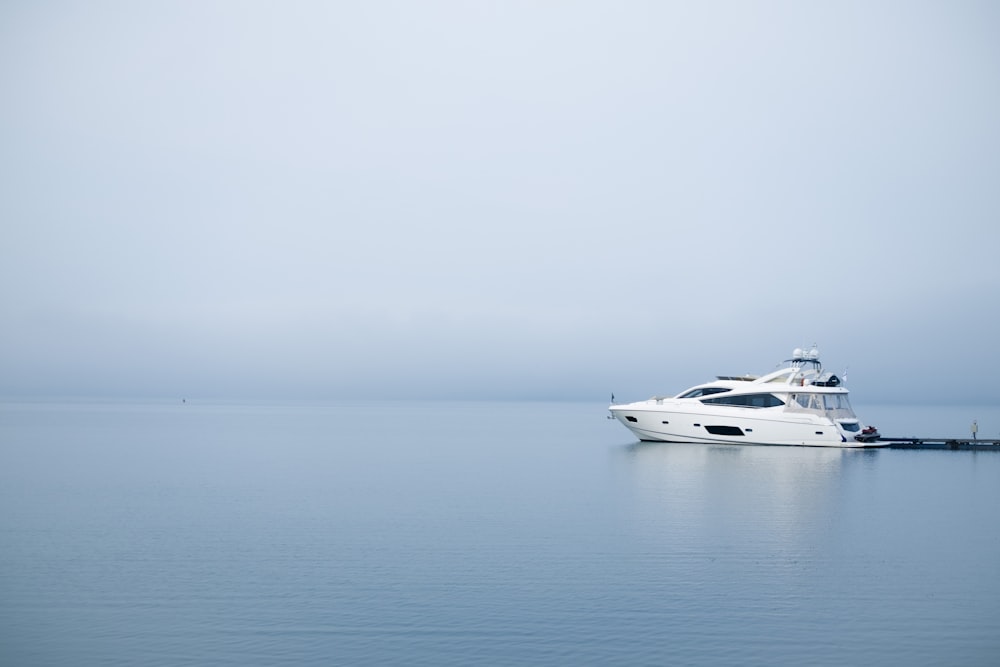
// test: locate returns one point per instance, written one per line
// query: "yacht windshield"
(703, 391)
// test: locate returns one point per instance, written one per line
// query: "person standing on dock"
(975, 429)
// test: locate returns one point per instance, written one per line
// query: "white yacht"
(800, 404)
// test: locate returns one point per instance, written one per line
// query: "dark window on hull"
(631, 418)
(724, 430)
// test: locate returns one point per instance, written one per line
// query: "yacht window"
(724, 430)
(746, 400)
(703, 391)
(808, 401)
(821, 402)
(836, 402)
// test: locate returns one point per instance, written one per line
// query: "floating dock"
(973, 444)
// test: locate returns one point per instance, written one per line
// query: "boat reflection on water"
(715, 494)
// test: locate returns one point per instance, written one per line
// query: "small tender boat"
(800, 404)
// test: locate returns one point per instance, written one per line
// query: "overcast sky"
(497, 199)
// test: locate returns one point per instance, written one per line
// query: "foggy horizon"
(497, 201)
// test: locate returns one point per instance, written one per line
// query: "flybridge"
(800, 358)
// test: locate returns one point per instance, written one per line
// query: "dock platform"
(978, 445)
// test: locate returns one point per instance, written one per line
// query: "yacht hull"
(654, 422)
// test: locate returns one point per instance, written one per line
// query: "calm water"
(483, 533)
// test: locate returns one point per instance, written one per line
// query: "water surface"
(459, 533)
